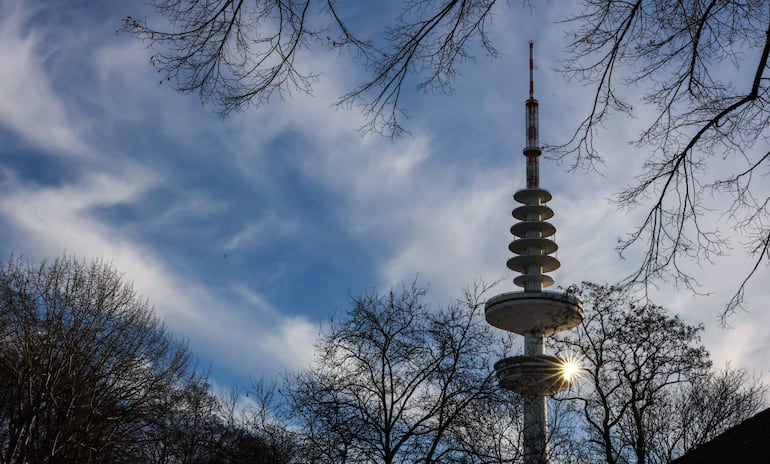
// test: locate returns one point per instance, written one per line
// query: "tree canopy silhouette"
(88, 374)
(394, 381)
(647, 392)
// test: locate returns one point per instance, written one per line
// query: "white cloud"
(48, 220)
(291, 343)
(259, 232)
(44, 221)
(28, 104)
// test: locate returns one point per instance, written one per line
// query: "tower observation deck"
(533, 312)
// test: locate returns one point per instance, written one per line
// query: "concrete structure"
(533, 312)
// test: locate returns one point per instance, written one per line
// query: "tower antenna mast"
(532, 150)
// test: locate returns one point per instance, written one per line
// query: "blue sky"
(247, 233)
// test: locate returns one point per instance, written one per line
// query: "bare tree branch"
(235, 53)
(232, 53)
(678, 50)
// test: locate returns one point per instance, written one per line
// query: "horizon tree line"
(89, 374)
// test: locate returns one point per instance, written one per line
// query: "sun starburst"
(571, 368)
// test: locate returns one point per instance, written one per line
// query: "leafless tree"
(703, 68)
(394, 381)
(190, 432)
(256, 427)
(87, 373)
(647, 393)
(705, 407)
(203, 428)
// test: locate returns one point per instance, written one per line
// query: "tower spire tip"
(531, 69)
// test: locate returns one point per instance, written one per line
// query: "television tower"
(533, 312)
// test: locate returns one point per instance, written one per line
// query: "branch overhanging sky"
(247, 234)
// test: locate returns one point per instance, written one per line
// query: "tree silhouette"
(86, 368)
(647, 393)
(396, 382)
(88, 374)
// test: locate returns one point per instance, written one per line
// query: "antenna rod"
(531, 69)
(532, 151)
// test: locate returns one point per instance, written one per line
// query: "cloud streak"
(28, 102)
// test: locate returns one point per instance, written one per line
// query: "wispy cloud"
(28, 103)
(260, 232)
(53, 219)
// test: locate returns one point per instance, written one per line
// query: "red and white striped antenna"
(531, 69)
(532, 151)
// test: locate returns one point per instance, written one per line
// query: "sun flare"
(571, 368)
